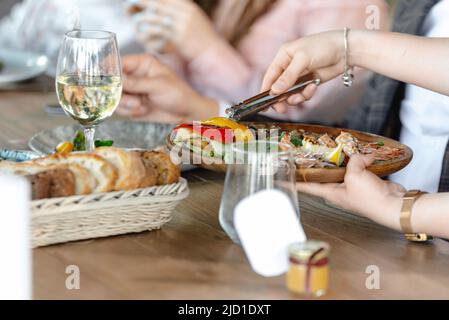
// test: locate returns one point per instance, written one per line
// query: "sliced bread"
(52, 183)
(131, 171)
(99, 170)
(46, 181)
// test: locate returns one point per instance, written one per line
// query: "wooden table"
(192, 258)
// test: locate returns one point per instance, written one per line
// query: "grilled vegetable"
(223, 135)
(64, 147)
(241, 132)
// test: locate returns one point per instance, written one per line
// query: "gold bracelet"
(408, 201)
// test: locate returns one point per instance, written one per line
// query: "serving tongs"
(264, 100)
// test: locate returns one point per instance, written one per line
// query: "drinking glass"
(89, 78)
(256, 166)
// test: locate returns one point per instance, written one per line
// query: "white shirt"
(425, 119)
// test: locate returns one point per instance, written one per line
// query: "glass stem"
(89, 133)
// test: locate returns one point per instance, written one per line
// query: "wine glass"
(256, 166)
(89, 78)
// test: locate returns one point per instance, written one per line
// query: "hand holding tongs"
(264, 100)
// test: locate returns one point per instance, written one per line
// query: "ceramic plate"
(20, 65)
(126, 134)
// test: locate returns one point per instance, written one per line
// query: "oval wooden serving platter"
(380, 168)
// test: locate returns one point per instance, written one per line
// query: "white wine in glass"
(88, 78)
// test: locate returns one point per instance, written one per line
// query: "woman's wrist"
(388, 212)
(393, 211)
(356, 47)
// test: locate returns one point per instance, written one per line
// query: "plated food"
(320, 153)
(104, 170)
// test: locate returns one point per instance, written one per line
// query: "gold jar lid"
(308, 251)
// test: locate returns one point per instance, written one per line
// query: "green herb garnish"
(79, 142)
(295, 139)
(103, 143)
(380, 143)
(2, 65)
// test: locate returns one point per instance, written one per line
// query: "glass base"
(230, 231)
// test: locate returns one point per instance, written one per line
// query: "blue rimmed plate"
(17, 155)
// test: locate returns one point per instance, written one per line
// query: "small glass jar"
(309, 268)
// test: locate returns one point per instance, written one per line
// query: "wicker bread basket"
(105, 214)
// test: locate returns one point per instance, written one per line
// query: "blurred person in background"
(214, 53)
(39, 25)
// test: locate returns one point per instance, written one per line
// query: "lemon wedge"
(331, 155)
(335, 156)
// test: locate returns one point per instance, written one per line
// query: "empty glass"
(256, 166)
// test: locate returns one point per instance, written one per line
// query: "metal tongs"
(264, 100)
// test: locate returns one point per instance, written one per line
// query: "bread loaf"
(106, 169)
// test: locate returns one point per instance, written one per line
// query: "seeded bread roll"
(167, 171)
(132, 174)
(151, 175)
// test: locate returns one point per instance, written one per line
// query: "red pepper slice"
(223, 135)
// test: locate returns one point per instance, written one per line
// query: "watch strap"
(409, 200)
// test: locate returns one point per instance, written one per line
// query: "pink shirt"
(232, 74)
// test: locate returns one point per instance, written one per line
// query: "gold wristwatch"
(406, 216)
